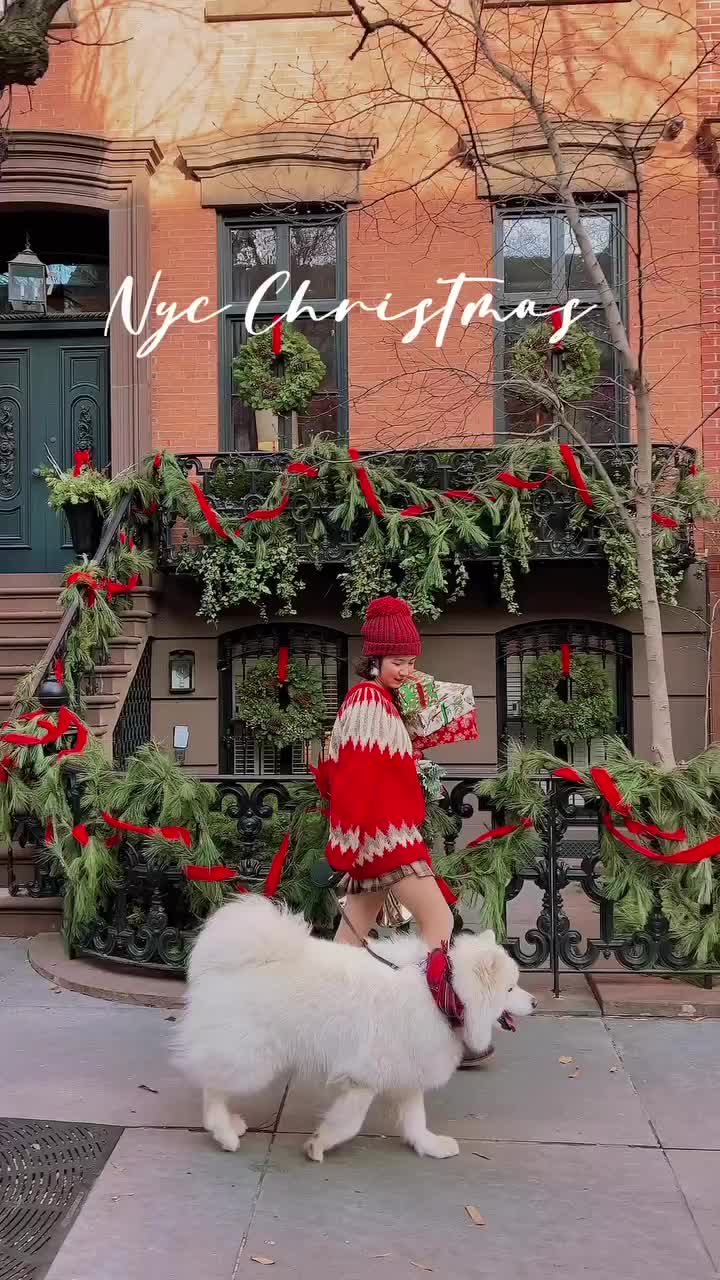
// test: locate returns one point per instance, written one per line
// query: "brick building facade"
(178, 130)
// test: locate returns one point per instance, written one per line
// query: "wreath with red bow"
(572, 706)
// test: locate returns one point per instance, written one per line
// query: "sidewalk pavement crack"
(261, 1183)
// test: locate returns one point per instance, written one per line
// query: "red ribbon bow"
(277, 336)
(81, 458)
(166, 833)
(576, 474)
(515, 482)
(366, 485)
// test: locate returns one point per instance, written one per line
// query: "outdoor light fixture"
(181, 740)
(29, 282)
(182, 671)
(52, 694)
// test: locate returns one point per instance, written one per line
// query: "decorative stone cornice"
(85, 157)
(279, 167)
(600, 154)
(264, 10)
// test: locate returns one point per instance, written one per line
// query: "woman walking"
(377, 806)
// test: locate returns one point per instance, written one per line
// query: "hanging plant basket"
(258, 707)
(589, 714)
(86, 524)
(579, 362)
(259, 383)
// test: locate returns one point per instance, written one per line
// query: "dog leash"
(363, 941)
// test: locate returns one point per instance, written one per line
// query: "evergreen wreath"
(257, 381)
(590, 713)
(257, 703)
(579, 362)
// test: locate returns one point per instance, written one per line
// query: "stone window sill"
(260, 10)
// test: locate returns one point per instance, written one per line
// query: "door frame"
(80, 170)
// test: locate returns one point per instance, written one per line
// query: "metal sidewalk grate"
(46, 1171)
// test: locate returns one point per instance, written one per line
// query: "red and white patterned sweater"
(377, 806)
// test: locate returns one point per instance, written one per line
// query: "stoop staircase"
(29, 618)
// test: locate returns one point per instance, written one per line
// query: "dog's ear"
(487, 967)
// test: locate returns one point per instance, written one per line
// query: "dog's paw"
(238, 1124)
(314, 1149)
(438, 1146)
(227, 1139)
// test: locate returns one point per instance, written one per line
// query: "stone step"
(27, 651)
(22, 917)
(22, 625)
(112, 677)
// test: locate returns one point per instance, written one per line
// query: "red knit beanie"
(389, 630)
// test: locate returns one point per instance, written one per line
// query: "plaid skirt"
(380, 884)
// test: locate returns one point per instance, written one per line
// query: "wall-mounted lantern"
(29, 282)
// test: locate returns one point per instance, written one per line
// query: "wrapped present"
(417, 693)
(450, 719)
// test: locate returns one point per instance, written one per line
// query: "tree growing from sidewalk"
(446, 66)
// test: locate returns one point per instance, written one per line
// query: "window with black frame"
(320, 648)
(537, 257)
(518, 648)
(308, 246)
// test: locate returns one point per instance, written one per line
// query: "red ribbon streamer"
(209, 511)
(576, 474)
(556, 320)
(68, 720)
(497, 832)
(515, 482)
(277, 866)
(126, 540)
(167, 833)
(157, 462)
(693, 469)
(113, 589)
(649, 829)
(6, 764)
(270, 513)
(684, 857)
(277, 336)
(464, 495)
(667, 522)
(565, 657)
(283, 659)
(568, 774)
(417, 510)
(212, 875)
(302, 469)
(81, 834)
(49, 832)
(81, 458)
(58, 670)
(607, 787)
(366, 486)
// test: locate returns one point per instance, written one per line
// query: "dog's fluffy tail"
(250, 931)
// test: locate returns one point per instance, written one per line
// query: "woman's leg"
(421, 895)
(362, 910)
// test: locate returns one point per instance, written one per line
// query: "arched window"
(317, 647)
(519, 646)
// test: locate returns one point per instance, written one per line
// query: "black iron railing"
(237, 483)
(558, 920)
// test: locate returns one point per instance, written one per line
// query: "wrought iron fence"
(564, 924)
(236, 483)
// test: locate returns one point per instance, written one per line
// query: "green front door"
(54, 393)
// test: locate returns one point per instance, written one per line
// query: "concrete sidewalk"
(605, 1166)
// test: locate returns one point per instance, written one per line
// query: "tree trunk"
(660, 724)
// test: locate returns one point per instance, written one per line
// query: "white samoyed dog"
(266, 998)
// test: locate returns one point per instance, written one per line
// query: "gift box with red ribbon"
(450, 719)
(417, 693)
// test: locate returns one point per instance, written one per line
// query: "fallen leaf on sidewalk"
(565, 1060)
(264, 1262)
(475, 1215)
(421, 1266)
(147, 1088)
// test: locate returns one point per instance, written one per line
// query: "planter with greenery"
(85, 496)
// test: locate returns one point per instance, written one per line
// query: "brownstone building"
(199, 147)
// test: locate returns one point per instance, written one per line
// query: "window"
(317, 647)
(519, 646)
(537, 257)
(310, 246)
